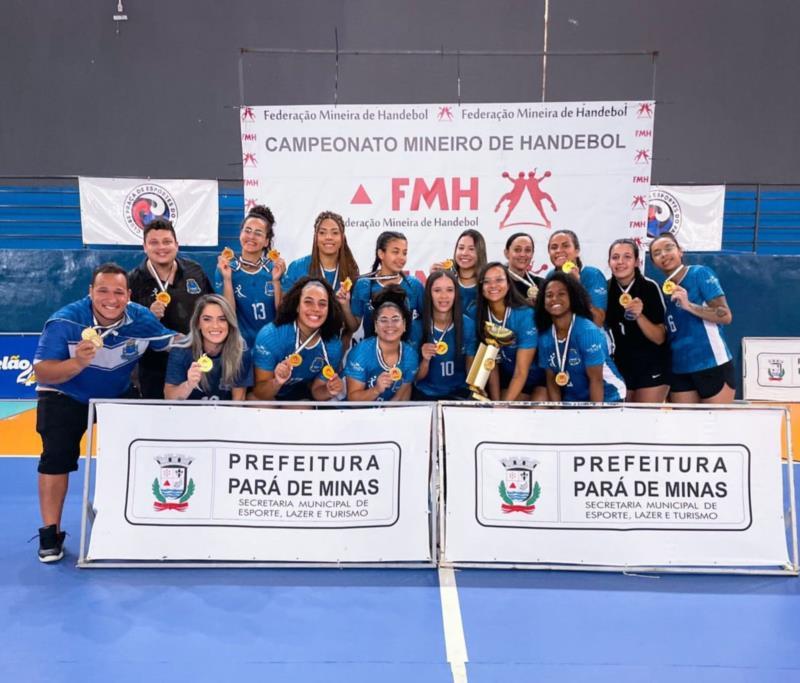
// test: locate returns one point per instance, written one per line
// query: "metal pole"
(86, 477)
(544, 49)
(758, 218)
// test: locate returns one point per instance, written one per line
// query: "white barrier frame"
(790, 569)
(87, 510)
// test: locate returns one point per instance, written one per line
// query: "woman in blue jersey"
(565, 254)
(469, 257)
(449, 342)
(330, 257)
(297, 357)
(382, 368)
(391, 254)
(500, 304)
(573, 350)
(702, 365)
(635, 322)
(519, 252)
(216, 366)
(251, 282)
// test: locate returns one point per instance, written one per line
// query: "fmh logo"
(146, 202)
(248, 114)
(518, 490)
(173, 488)
(445, 114)
(526, 182)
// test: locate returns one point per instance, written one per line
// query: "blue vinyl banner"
(16, 365)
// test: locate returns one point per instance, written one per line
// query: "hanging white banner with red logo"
(116, 210)
(614, 487)
(432, 171)
(235, 483)
(771, 369)
(693, 213)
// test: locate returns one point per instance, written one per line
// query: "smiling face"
(254, 236)
(495, 284)
(161, 247)
(666, 254)
(443, 294)
(110, 295)
(520, 254)
(622, 262)
(213, 327)
(393, 258)
(389, 323)
(312, 311)
(561, 249)
(466, 254)
(329, 237)
(556, 299)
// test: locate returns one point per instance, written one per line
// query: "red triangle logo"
(361, 196)
(513, 485)
(166, 483)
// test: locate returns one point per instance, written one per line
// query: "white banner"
(433, 170)
(116, 210)
(214, 482)
(614, 487)
(693, 213)
(771, 368)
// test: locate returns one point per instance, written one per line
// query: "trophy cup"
(486, 359)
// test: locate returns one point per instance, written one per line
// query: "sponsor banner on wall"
(17, 379)
(614, 487)
(693, 213)
(116, 210)
(243, 483)
(771, 368)
(433, 170)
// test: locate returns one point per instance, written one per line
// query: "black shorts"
(706, 383)
(642, 375)
(61, 422)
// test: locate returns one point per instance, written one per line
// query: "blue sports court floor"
(64, 624)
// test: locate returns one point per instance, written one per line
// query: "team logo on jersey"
(173, 488)
(317, 364)
(663, 214)
(239, 293)
(775, 370)
(144, 204)
(130, 350)
(192, 287)
(518, 489)
(269, 288)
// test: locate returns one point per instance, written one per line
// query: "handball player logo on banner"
(170, 487)
(775, 371)
(445, 114)
(645, 111)
(145, 203)
(518, 490)
(248, 115)
(663, 214)
(519, 186)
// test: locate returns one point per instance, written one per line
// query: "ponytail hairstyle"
(427, 309)
(232, 347)
(575, 242)
(383, 241)
(393, 296)
(348, 268)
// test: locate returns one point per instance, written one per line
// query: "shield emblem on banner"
(518, 483)
(172, 481)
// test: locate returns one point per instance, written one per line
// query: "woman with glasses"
(382, 368)
(702, 365)
(216, 366)
(251, 282)
(297, 356)
(501, 309)
(449, 342)
(564, 250)
(635, 323)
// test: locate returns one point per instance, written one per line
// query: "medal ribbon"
(258, 265)
(335, 275)
(505, 317)
(522, 278)
(674, 272)
(627, 289)
(162, 284)
(441, 339)
(562, 360)
(298, 347)
(383, 363)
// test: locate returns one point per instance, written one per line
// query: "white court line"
(454, 641)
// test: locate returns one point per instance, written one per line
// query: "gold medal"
(295, 360)
(625, 299)
(447, 264)
(90, 334)
(273, 255)
(668, 287)
(205, 363)
(562, 378)
(328, 372)
(532, 292)
(441, 348)
(164, 298)
(395, 374)
(227, 254)
(347, 284)
(568, 266)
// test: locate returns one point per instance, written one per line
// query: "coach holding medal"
(87, 350)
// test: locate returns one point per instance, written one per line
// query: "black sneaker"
(51, 544)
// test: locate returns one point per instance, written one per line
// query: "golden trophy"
(486, 359)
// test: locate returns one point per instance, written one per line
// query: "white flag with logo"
(693, 213)
(116, 210)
